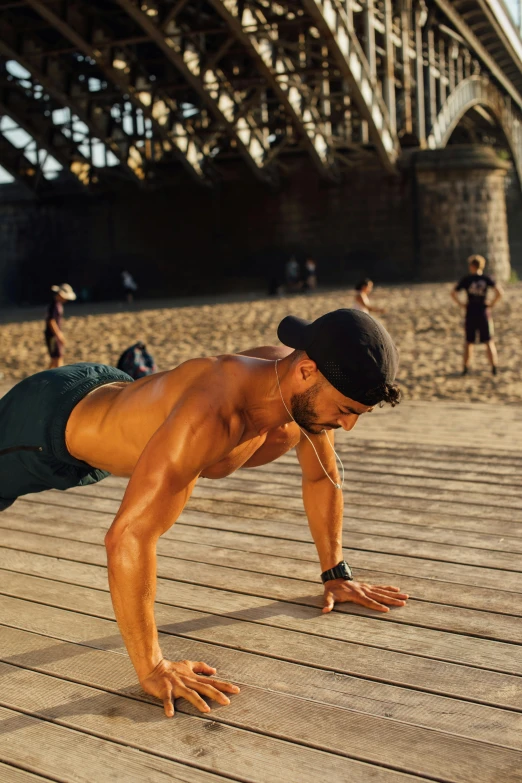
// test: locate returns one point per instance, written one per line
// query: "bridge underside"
(110, 92)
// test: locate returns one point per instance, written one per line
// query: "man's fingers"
(168, 704)
(385, 598)
(371, 604)
(328, 603)
(390, 588)
(201, 668)
(208, 690)
(183, 692)
(221, 685)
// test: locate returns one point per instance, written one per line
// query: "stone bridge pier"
(460, 209)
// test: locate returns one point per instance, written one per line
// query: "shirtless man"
(208, 417)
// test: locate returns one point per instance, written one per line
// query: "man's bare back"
(111, 426)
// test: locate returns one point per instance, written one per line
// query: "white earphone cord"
(337, 486)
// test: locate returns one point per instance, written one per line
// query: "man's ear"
(307, 370)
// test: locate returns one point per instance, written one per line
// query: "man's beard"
(303, 410)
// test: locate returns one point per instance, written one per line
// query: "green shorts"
(33, 418)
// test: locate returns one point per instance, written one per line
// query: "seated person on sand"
(208, 417)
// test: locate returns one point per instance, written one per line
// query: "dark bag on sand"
(137, 362)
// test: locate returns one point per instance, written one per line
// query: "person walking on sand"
(293, 275)
(362, 297)
(478, 319)
(129, 285)
(54, 338)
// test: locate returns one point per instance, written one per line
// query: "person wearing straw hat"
(54, 338)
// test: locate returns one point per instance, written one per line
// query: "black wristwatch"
(341, 571)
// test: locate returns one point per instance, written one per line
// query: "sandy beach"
(425, 324)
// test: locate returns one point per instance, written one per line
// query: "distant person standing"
(129, 285)
(310, 276)
(363, 290)
(478, 321)
(54, 338)
(293, 274)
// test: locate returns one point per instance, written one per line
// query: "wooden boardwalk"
(432, 691)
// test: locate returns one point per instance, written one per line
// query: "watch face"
(345, 569)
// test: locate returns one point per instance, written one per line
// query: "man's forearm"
(324, 508)
(132, 581)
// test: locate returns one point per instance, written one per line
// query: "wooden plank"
(288, 475)
(68, 755)
(252, 482)
(260, 583)
(337, 657)
(10, 774)
(418, 438)
(406, 547)
(261, 736)
(356, 507)
(433, 590)
(81, 663)
(212, 744)
(234, 489)
(433, 438)
(61, 520)
(247, 483)
(381, 461)
(378, 470)
(418, 567)
(373, 631)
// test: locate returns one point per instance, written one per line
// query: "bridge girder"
(213, 86)
(479, 91)
(331, 20)
(264, 43)
(33, 116)
(175, 139)
(55, 76)
(19, 166)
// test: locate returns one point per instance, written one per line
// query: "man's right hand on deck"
(183, 679)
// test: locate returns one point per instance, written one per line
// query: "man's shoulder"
(271, 352)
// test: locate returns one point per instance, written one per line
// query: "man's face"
(322, 407)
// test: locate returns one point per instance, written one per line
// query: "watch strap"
(341, 571)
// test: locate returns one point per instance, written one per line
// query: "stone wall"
(514, 216)
(191, 239)
(420, 225)
(461, 210)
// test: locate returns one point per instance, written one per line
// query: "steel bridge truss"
(106, 92)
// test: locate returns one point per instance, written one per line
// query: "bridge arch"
(473, 91)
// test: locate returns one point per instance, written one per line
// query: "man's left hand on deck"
(378, 597)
